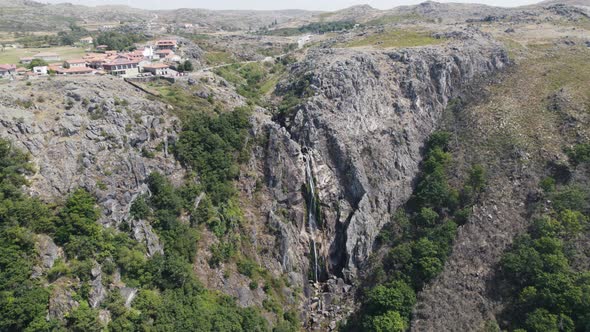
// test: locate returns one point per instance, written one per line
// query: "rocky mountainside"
(287, 191)
(99, 134)
(362, 132)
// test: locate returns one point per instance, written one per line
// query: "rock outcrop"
(48, 251)
(96, 133)
(363, 129)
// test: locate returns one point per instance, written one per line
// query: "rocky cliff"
(362, 132)
(94, 133)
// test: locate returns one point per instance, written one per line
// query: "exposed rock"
(48, 251)
(93, 139)
(97, 291)
(61, 300)
(104, 317)
(128, 294)
(143, 232)
(363, 130)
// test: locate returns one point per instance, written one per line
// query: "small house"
(161, 54)
(40, 70)
(166, 44)
(157, 69)
(26, 60)
(47, 56)
(74, 71)
(86, 40)
(75, 63)
(122, 67)
(171, 58)
(7, 70)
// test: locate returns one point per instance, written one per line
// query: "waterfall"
(311, 214)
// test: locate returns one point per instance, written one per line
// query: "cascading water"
(311, 215)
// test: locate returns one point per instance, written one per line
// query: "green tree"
(397, 296)
(477, 178)
(37, 63)
(188, 65)
(390, 321)
(542, 320)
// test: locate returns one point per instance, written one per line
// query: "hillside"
(422, 168)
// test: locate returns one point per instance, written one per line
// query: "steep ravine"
(363, 129)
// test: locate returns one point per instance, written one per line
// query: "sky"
(326, 5)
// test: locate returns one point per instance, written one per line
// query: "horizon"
(270, 5)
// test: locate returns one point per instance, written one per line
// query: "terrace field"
(12, 55)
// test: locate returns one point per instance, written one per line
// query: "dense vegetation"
(169, 298)
(546, 280)
(254, 80)
(118, 41)
(315, 27)
(211, 145)
(72, 36)
(419, 240)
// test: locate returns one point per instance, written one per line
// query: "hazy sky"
(275, 4)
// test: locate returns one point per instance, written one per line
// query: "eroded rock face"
(61, 300)
(48, 251)
(96, 133)
(363, 129)
(97, 291)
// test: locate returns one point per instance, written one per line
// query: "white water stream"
(311, 215)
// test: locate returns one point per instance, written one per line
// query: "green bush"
(550, 293)
(548, 184)
(395, 296)
(580, 153)
(391, 321)
(247, 267)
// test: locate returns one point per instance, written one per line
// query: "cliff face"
(95, 133)
(362, 131)
(335, 169)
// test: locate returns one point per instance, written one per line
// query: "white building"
(157, 69)
(40, 70)
(47, 56)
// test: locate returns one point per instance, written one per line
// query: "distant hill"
(585, 3)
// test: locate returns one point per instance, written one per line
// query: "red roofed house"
(74, 71)
(135, 55)
(156, 69)
(122, 67)
(163, 53)
(54, 66)
(75, 63)
(166, 44)
(95, 60)
(7, 70)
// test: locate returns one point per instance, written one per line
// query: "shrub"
(580, 153)
(391, 321)
(397, 296)
(247, 267)
(548, 184)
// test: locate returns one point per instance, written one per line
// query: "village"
(158, 58)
